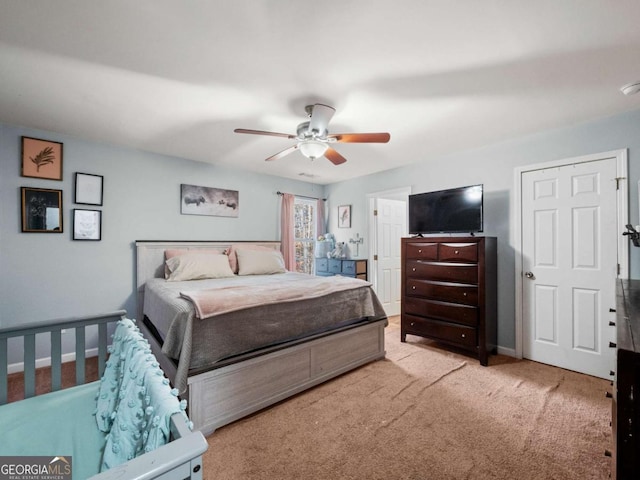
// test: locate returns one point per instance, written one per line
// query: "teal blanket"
(57, 424)
(102, 424)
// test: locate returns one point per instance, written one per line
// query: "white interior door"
(569, 265)
(391, 226)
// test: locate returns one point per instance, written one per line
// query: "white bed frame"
(234, 390)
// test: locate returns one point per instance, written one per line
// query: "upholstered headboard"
(150, 259)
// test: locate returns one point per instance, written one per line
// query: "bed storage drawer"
(346, 349)
(225, 394)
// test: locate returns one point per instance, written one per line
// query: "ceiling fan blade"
(334, 157)
(321, 115)
(262, 132)
(283, 153)
(361, 137)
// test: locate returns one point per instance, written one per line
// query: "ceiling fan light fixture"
(312, 149)
(630, 88)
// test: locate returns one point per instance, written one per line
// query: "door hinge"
(618, 269)
(375, 258)
(618, 182)
(375, 212)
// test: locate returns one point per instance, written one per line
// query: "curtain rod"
(304, 196)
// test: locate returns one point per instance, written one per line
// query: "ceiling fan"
(313, 138)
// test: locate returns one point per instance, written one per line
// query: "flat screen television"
(455, 210)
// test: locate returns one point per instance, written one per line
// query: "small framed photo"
(344, 216)
(41, 159)
(88, 189)
(41, 210)
(87, 224)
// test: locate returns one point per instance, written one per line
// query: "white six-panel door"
(569, 265)
(391, 226)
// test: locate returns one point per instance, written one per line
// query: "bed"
(237, 362)
(87, 430)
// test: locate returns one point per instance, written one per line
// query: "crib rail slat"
(3, 370)
(102, 348)
(56, 360)
(29, 366)
(80, 355)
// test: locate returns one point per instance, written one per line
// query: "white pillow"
(197, 266)
(258, 262)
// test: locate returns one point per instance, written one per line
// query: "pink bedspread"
(216, 301)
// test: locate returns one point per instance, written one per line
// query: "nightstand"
(327, 267)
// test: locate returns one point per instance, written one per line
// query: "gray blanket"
(198, 344)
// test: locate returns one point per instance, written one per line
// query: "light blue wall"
(48, 276)
(494, 167)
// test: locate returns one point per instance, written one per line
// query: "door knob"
(529, 275)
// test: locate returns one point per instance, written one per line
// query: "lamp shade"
(312, 148)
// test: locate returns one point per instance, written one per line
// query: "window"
(305, 233)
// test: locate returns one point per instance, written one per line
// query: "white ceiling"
(176, 77)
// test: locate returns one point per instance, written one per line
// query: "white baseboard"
(46, 362)
(509, 352)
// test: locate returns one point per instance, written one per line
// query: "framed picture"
(87, 224)
(41, 210)
(88, 189)
(216, 202)
(41, 158)
(344, 216)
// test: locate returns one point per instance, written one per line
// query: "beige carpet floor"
(426, 412)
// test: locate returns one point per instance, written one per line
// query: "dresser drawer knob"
(412, 324)
(420, 250)
(456, 252)
(464, 294)
(413, 269)
(413, 288)
(463, 335)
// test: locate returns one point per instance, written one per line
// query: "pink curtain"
(287, 238)
(320, 224)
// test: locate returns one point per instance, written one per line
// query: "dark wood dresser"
(625, 410)
(449, 292)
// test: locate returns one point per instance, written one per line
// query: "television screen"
(455, 210)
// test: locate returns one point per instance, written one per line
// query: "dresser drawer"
(461, 252)
(422, 250)
(335, 265)
(322, 264)
(349, 267)
(447, 292)
(441, 310)
(438, 330)
(453, 272)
